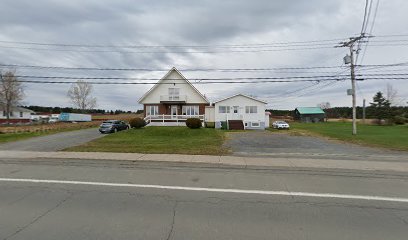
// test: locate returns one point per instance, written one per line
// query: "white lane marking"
(222, 190)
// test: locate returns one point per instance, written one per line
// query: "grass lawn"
(392, 137)
(11, 137)
(181, 140)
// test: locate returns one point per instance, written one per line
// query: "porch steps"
(236, 125)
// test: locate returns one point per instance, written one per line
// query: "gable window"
(21, 114)
(224, 109)
(251, 109)
(152, 110)
(174, 93)
(235, 109)
(190, 110)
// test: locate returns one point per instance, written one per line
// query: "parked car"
(112, 126)
(280, 125)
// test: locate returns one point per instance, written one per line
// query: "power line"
(171, 83)
(166, 70)
(170, 51)
(313, 42)
(314, 78)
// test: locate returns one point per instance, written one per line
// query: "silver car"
(280, 125)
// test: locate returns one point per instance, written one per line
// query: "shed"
(309, 114)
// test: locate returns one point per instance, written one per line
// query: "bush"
(400, 120)
(193, 123)
(137, 123)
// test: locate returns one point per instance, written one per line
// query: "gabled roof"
(240, 94)
(173, 69)
(18, 109)
(310, 110)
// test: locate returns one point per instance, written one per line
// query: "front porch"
(170, 120)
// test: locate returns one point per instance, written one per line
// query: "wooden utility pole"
(364, 110)
(353, 87)
(350, 44)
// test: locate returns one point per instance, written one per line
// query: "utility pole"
(364, 110)
(350, 44)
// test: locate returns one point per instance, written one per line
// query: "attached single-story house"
(309, 114)
(17, 115)
(238, 112)
(172, 100)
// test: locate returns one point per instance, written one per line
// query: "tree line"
(42, 109)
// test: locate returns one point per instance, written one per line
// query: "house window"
(254, 124)
(251, 109)
(174, 93)
(4, 113)
(224, 109)
(152, 110)
(190, 110)
(21, 114)
(235, 109)
(11, 114)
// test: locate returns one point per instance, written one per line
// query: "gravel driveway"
(54, 142)
(265, 143)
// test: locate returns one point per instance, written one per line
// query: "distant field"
(181, 140)
(125, 116)
(392, 137)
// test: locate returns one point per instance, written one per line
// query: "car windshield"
(108, 122)
(281, 122)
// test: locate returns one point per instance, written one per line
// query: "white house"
(238, 112)
(17, 115)
(172, 100)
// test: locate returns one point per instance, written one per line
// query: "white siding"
(209, 114)
(241, 102)
(267, 120)
(185, 89)
(16, 115)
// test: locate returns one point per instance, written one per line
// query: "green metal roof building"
(309, 114)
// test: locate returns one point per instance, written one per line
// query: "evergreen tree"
(381, 107)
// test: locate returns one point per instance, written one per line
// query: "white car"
(280, 125)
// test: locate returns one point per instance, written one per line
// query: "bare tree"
(11, 92)
(391, 94)
(80, 94)
(324, 105)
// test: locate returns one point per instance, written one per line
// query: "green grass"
(12, 137)
(180, 140)
(392, 137)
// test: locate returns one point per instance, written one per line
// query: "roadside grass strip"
(217, 190)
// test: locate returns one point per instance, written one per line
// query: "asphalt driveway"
(54, 142)
(282, 144)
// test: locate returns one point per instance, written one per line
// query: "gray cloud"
(184, 22)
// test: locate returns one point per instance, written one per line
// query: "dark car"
(112, 126)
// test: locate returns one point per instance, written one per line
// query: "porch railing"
(171, 118)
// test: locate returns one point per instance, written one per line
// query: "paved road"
(54, 142)
(265, 143)
(65, 210)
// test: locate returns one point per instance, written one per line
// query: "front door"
(173, 111)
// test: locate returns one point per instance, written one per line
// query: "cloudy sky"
(288, 38)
